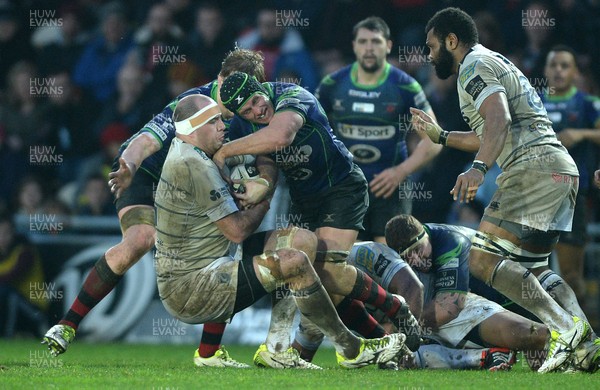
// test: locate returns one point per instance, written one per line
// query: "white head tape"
(412, 244)
(202, 117)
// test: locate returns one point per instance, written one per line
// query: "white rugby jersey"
(190, 197)
(484, 72)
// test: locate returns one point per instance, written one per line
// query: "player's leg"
(510, 330)
(392, 273)
(353, 314)
(136, 217)
(276, 347)
(343, 280)
(489, 261)
(340, 219)
(138, 238)
(568, 288)
(275, 352)
(294, 268)
(559, 290)
(501, 273)
(436, 356)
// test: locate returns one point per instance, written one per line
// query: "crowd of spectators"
(80, 77)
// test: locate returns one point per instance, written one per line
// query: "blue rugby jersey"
(372, 120)
(576, 110)
(316, 160)
(450, 257)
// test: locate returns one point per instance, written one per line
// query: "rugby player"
(328, 191)
(368, 107)
(133, 181)
(537, 188)
(198, 219)
(452, 316)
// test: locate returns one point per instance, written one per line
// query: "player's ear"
(389, 46)
(451, 41)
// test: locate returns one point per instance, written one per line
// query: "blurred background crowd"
(77, 78)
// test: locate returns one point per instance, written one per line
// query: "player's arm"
(497, 120)
(571, 137)
(385, 183)
(241, 224)
(406, 283)
(278, 134)
(138, 149)
(451, 282)
(445, 307)
(424, 152)
(461, 140)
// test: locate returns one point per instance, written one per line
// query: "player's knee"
(280, 266)
(293, 262)
(306, 241)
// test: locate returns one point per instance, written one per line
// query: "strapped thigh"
(137, 216)
(501, 247)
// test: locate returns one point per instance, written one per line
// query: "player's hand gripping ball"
(242, 173)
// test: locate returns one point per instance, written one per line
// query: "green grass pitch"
(26, 364)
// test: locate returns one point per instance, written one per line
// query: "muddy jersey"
(191, 196)
(316, 160)
(379, 261)
(372, 120)
(162, 128)
(576, 110)
(530, 139)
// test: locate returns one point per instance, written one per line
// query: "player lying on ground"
(452, 316)
(198, 219)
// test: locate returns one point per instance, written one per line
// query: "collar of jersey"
(213, 90)
(473, 48)
(269, 89)
(382, 78)
(561, 98)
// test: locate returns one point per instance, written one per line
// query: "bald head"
(189, 105)
(194, 111)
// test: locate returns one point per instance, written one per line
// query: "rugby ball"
(242, 172)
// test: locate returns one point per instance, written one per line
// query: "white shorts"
(541, 200)
(477, 309)
(203, 295)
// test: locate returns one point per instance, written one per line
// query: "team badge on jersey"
(467, 72)
(475, 86)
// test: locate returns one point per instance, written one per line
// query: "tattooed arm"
(443, 308)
